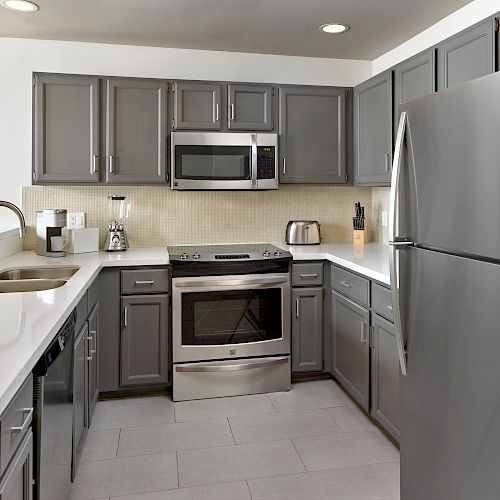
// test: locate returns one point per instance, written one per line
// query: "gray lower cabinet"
(351, 350)
(17, 481)
(466, 56)
(136, 131)
(197, 106)
(373, 131)
(312, 129)
(65, 150)
(414, 78)
(144, 337)
(250, 107)
(385, 376)
(80, 391)
(307, 329)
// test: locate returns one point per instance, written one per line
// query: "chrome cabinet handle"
(312, 275)
(229, 368)
(390, 308)
(125, 316)
(145, 282)
(93, 168)
(254, 161)
(296, 308)
(87, 348)
(28, 416)
(92, 338)
(216, 112)
(346, 284)
(232, 112)
(395, 242)
(372, 335)
(387, 162)
(111, 164)
(284, 166)
(364, 338)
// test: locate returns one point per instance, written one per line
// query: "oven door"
(224, 317)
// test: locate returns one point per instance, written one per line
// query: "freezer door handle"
(396, 242)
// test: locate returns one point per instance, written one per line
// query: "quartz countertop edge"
(30, 320)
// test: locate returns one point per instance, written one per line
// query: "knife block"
(359, 237)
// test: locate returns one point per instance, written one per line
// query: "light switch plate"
(75, 220)
(385, 223)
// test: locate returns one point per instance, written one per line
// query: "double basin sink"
(35, 279)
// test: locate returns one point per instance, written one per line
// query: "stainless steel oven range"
(231, 320)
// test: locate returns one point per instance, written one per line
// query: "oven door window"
(221, 163)
(231, 317)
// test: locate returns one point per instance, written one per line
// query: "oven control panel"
(266, 162)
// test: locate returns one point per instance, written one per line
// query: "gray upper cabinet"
(197, 106)
(66, 150)
(312, 128)
(414, 78)
(351, 353)
(307, 329)
(136, 131)
(373, 131)
(250, 107)
(144, 340)
(385, 376)
(468, 55)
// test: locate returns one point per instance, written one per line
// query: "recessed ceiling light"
(334, 28)
(20, 5)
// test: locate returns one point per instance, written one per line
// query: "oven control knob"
(184, 256)
(196, 256)
(277, 253)
(266, 254)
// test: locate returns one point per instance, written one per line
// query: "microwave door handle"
(254, 161)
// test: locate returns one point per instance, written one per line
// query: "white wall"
(457, 21)
(20, 57)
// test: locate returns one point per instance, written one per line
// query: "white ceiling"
(288, 27)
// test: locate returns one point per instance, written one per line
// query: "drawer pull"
(364, 337)
(297, 314)
(306, 276)
(346, 284)
(389, 307)
(28, 412)
(144, 282)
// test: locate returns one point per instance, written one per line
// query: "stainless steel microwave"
(213, 160)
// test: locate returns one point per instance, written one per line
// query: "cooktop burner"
(220, 253)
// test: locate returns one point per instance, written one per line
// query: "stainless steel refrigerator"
(445, 274)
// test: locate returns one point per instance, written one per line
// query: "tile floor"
(311, 443)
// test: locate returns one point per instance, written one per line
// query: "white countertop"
(30, 320)
(371, 260)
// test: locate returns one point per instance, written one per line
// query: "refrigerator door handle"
(395, 241)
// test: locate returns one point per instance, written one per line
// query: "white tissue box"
(82, 240)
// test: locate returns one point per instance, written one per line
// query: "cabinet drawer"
(307, 274)
(145, 281)
(351, 285)
(15, 422)
(382, 301)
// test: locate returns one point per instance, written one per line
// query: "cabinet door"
(17, 482)
(307, 329)
(136, 131)
(312, 127)
(92, 360)
(373, 131)
(466, 56)
(197, 106)
(144, 351)
(413, 78)
(385, 376)
(66, 150)
(250, 107)
(80, 395)
(351, 353)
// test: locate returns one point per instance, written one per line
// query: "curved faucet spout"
(20, 216)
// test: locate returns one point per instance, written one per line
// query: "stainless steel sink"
(30, 285)
(37, 273)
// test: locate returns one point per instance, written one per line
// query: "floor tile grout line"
(248, 488)
(177, 468)
(297, 451)
(231, 429)
(118, 445)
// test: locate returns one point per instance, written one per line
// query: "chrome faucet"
(20, 216)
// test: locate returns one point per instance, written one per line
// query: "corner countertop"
(371, 260)
(30, 320)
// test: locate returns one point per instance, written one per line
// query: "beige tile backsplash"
(160, 216)
(380, 203)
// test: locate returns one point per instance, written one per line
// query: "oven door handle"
(249, 365)
(260, 282)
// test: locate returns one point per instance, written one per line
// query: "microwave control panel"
(266, 162)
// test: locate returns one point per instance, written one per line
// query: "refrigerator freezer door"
(450, 397)
(453, 166)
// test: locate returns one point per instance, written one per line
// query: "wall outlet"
(75, 220)
(385, 221)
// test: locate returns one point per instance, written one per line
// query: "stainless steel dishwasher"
(53, 422)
